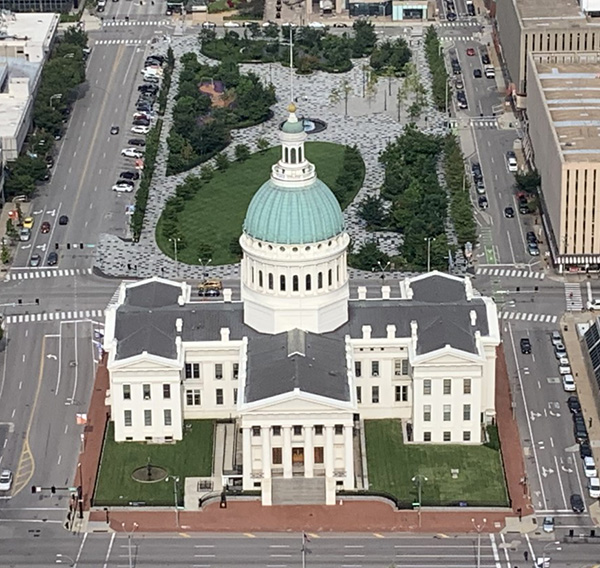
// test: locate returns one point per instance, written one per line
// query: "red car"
(45, 228)
(470, 51)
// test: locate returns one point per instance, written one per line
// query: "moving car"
(470, 51)
(511, 162)
(589, 467)
(577, 503)
(568, 383)
(525, 346)
(6, 479)
(509, 212)
(28, 222)
(45, 227)
(451, 17)
(131, 153)
(477, 73)
(548, 524)
(593, 486)
(114, 130)
(63, 220)
(52, 259)
(35, 260)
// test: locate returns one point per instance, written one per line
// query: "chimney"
(473, 315)
(366, 332)
(179, 325)
(468, 288)
(391, 331)
(362, 292)
(181, 300)
(385, 292)
(224, 334)
(227, 295)
(414, 326)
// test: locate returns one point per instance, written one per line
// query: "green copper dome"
(292, 127)
(294, 215)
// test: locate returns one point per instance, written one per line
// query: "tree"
(528, 182)
(262, 144)
(235, 248)
(207, 172)
(205, 253)
(271, 31)
(222, 162)
(365, 38)
(242, 152)
(254, 30)
(369, 257)
(341, 93)
(372, 212)
(76, 36)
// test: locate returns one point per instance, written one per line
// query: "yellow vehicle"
(28, 222)
(210, 287)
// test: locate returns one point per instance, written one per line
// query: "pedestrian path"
(484, 123)
(454, 38)
(127, 41)
(32, 274)
(518, 316)
(573, 297)
(511, 273)
(76, 315)
(459, 23)
(117, 23)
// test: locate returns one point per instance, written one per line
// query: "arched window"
(282, 283)
(330, 277)
(270, 281)
(252, 272)
(299, 155)
(308, 283)
(286, 157)
(293, 155)
(337, 274)
(260, 278)
(320, 280)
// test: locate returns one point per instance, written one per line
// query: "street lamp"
(429, 239)
(175, 481)
(546, 561)
(478, 528)
(57, 96)
(129, 535)
(59, 559)
(204, 263)
(383, 268)
(175, 240)
(418, 481)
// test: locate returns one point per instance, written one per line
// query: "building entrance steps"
(298, 491)
(218, 456)
(229, 450)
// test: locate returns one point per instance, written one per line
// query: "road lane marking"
(494, 550)
(112, 540)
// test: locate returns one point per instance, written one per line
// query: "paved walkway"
(371, 123)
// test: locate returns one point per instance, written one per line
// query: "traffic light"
(80, 245)
(53, 490)
(37, 301)
(68, 246)
(33, 489)
(55, 246)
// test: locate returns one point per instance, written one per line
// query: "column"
(266, 451)
(339, 7)
(247, 457)
(349, 457)
(287, 451)
(309, 452)
(328, 451)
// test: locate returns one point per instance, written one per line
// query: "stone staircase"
(298, 491)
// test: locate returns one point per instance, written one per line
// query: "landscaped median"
(392, 465)
(191, 457)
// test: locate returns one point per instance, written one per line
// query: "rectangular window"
(127, 418)
(167, 416)
(192, 397)
(166, 391)
(358, 394)
(447, 386)
(126, 392)
(427, 386)
(319, 454)
(146, 390)
(218, 371)
(318, 430)
(234, 396)
(297, 430)
(404, 393)
(219, 396)
(147, 418)
(466, 412)
(447, 436)
(192, 370)
(236, 371)
(398, 393)
(427, 436)
(427, 413)
(466, 436)
(256, 431)
(375, 395)
(397, 367)
(276, 430)
(357, 368)
(339, 429)
(466, 386)
(405, 366)
(375, 368)
(277, 456)
(447, 412)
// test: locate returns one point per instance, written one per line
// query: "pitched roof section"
(153, 294)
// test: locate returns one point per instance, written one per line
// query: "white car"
(564, 370)
(568, 383)
(548, 524)
(122, 188)
(563, 361)
(593, 485)
(209, 25)
(593, 305)
(589, 467)
(511, 162)
(556, 338)
(6, 479)
(317, 25)
(131, 153)
(140, 129)
(232, 25)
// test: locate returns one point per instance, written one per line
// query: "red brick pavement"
(345, 516)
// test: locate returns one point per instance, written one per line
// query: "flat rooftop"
(34, 29)
(571, 93)
(543, 14)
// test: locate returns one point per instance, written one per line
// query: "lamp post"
(383, 268)
(175, 481)
(429, 239)
(204, 263)
(478, 528)
(175, 240)
(129, 536)
(57, 96)
(418, 481)
(59, 559)
(544, 559)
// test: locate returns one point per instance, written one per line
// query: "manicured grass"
(192, 457)
(215, 215)
(392, 465)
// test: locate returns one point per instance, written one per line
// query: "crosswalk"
(54, 273)
(461, 23)
(117, 23)
(539, 318)
(482, 123)
(453, 38)
(126, 41)
(573, 296)
(76, 315)
(511, 273)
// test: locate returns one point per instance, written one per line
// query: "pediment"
(293, 403)
(448, 356)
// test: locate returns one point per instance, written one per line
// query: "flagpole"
(292, 88)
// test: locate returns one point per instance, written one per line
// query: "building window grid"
(375, 395)
(447, 412)
(467, 386)
(127, 420)
(466, 412)
(427, 386)
(358, 395)
(166, 391)
(219, 397)
(126, 392)
(192, 370)
(235, 371)
(147, 417)
(447, 436)
(218, 371)
(447, 386)
(427, 413)
(168, 419)
(466, 436)
(192, 397)
(147, 391)
(235, 395)
(357, 369)
(374, 368)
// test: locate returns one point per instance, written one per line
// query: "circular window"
(270, 247)
(259, 245)
(282, 249)
(295, 249)
(307, 248)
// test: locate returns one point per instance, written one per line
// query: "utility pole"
(175, 240)
(305, 539)
(429, 239)
(478, 528)
(418, 481)
(129, 536)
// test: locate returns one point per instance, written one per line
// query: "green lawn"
(192, 457)
(392, 465)
(215, 215)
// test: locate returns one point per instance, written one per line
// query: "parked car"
(593, 486)
(122, 188)
(589, 467)
(593, 305)
(525, 346)
(151, 79)
(140, 129)
(577, 504)
(28, 222)
(531, 238)
(129, 175)
(533, 249)
(480, 186)
(132, 153)
(482, 202)
(585, 450)
(24, 235)
(559, 347)
(579, 430)
(511, 162)
(523, 205)
(458, 84)
(574, 404)
(451, 17)
(136, 142)
(485, 59)
(568, 383)
(556, 337)
(52, 259)
(6, 479)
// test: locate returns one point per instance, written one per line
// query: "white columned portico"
(349, 457)
(309, 452)
(329, 457)
(266, 451)
(247, 457)
(287, 451)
